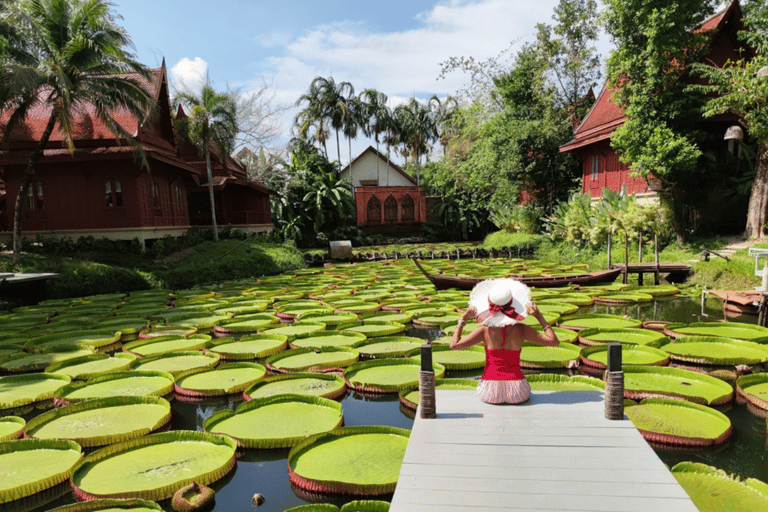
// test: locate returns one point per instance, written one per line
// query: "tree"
(569, 49)
(61, 55)
(741, 87)
(258, 117)
(377, 117)
(327, 101)
(656, 42)
(212, 121)
(442, 112)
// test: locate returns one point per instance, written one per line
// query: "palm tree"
(353, 121)
(63, 56)
(377, 114)
(442, 113)
(312, 117)
(327, 101)
(212, 121)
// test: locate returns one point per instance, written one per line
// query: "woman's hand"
(469, 314)
(531, 309)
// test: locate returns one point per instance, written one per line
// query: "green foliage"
(522, 243)
(579, 220)
(523, 219)
(655, 45)
(315, 206)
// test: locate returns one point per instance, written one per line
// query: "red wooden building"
(591, 142)
(387, 199)
(102, 190)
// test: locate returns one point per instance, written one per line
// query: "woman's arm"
(473, 338)
(547, 337)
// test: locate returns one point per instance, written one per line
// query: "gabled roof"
(87, 126)
(605, 116)
(383, 157)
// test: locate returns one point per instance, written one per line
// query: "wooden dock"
(675, 272)
(557, 452)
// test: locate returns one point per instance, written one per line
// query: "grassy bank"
(92, 273)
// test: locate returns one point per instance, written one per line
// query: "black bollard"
(614, 384)
(427, 384)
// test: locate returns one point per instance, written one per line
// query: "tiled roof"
(605, 116)
(87, 126)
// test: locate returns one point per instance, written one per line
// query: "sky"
(395, 46)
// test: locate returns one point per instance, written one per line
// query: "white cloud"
(188, 73)
(405, 63)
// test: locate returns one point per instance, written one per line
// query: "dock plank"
(557, 452)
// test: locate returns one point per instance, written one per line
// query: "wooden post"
(640, 258)
(610, 239)
(614, 384)
(427, 384)
(626, 257)
(656, 277)
(762, 315)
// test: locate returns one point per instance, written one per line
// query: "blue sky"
(394, 46)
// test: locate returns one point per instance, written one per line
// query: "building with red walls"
(387, 199)
(591, 143)
(101, 189)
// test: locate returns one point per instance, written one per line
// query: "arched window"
(406, 205)
(390, 209)
(374, 210)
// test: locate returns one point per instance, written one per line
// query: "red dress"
(502, 364)
(502, 381)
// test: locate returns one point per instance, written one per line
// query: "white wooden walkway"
(557, 452)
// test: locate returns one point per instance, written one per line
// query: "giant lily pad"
(246, 323)
(713, 350)
(386, 375)
(387, 346)
(597, 356)
(225, 379)
(128, 383)
(313, 384)
(734, 330)
(311, 359)
(132, 505)
(278, 421)
(625, 336)
(660, 381)
(557, 382)
(466, 359)
(87, 367)
(361, 461)
(296, 329)
(102, 421)
(410, 397)
(754, 388)
(154, 466)
(176, 362)
(668, 421)
(248, 347)
(580, 322)
(373, 329)
(166, 344)
(19, 390)
(28, 466)
(39, 361)
(86, 338)
(563, 355)
(328, 339)
(11, 427)
(328, 318)
(712, 490)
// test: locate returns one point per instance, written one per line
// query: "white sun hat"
(500, 302)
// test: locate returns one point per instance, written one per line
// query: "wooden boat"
(443, 282)
(740, 302)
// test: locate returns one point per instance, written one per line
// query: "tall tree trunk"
(338, 147)
(757, 215)
(29, 172)
(210, 194)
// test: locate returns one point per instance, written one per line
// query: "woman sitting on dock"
(501, 304)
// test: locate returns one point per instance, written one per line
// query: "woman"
(500, 304)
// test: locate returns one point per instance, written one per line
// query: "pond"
(265, 471)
